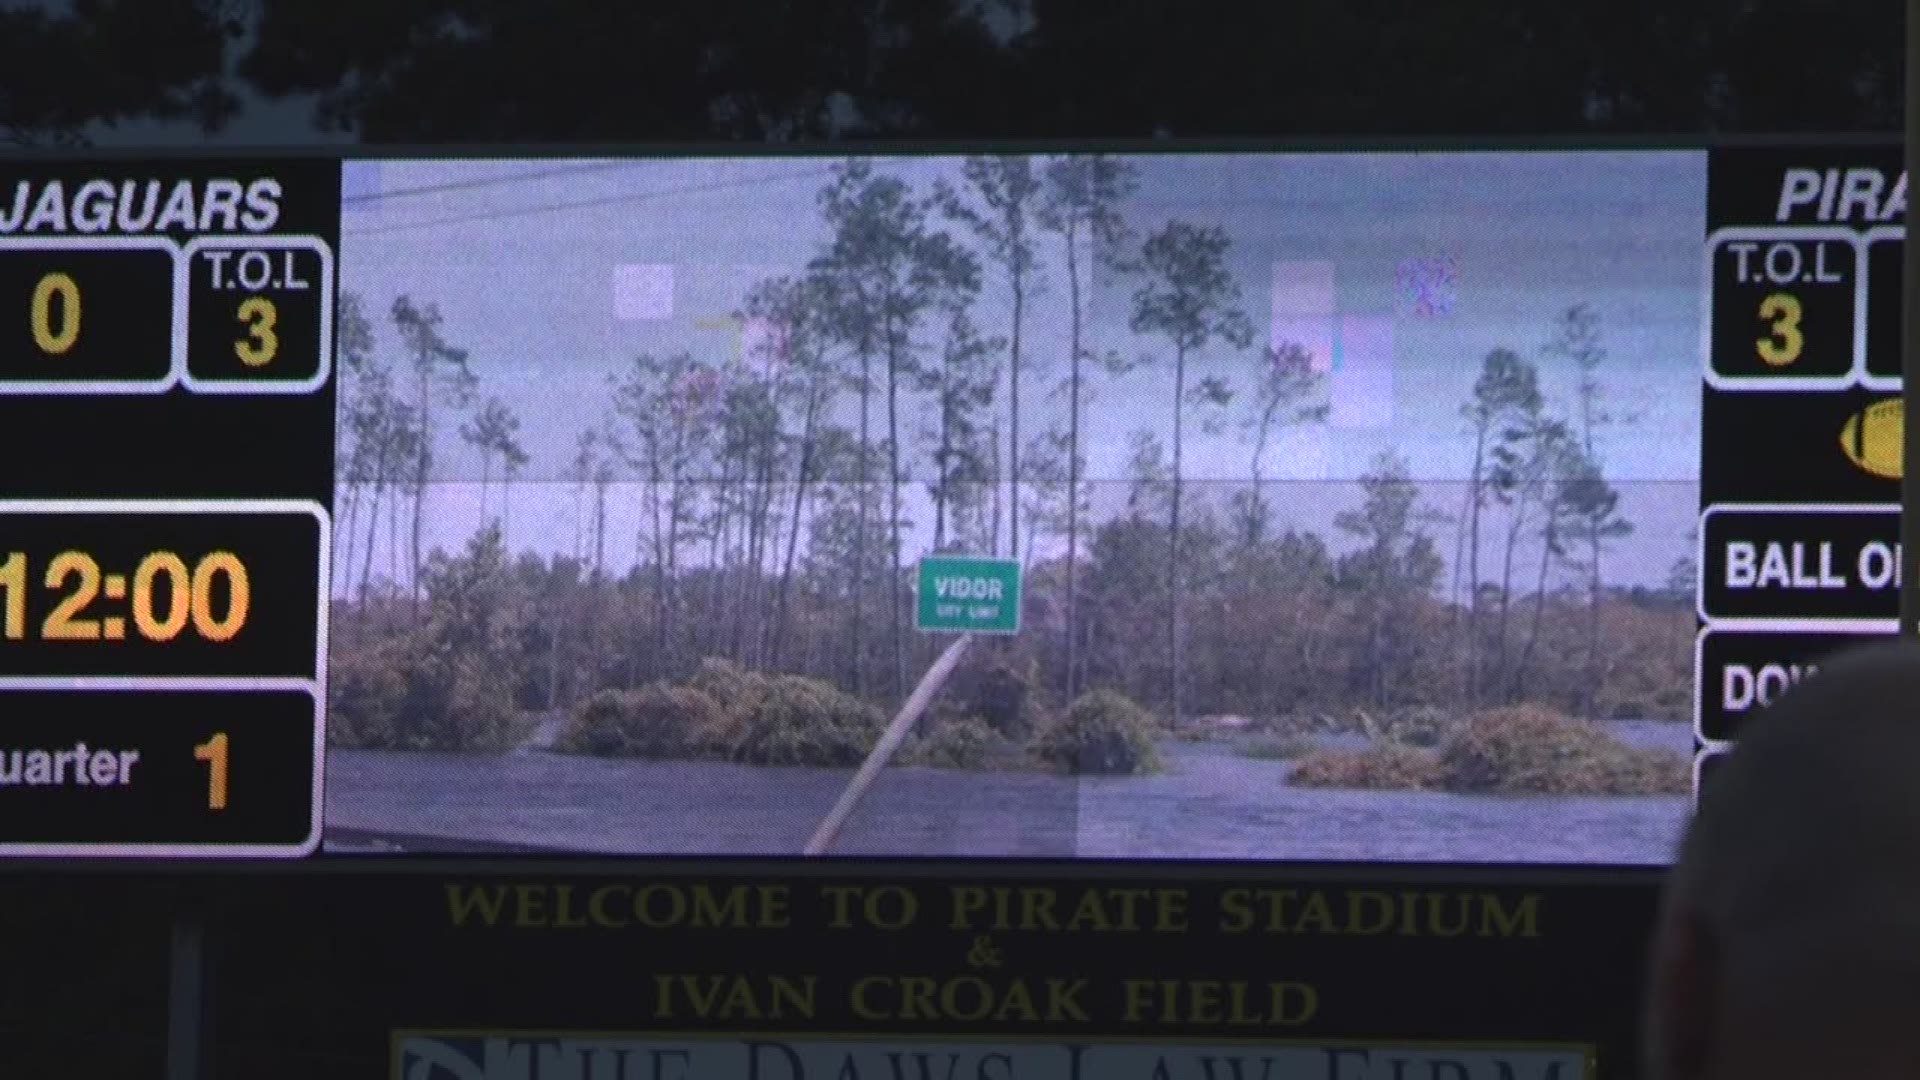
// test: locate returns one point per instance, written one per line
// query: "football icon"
(1873, 439)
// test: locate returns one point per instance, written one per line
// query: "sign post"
(960, 595)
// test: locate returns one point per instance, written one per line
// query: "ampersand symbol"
(984, 954)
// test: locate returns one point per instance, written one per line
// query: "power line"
(489, 181)
(638, 196)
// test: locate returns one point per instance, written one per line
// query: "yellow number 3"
(1783, 345)
(261, 344)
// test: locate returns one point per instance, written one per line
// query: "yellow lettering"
(1236, 911)
(1308, 998)
(1360, 920)
(840, 899)
(530, 905)
(1782, 345)
(861, 1008)
(598, 907)
(1523, 921)
(567, 918)
(1017, 1004)
(55, 337)
(775, 909)
(1318, 915)
(740, 1002)
(967, 899)
(1090, 913)
(710, 909)
(644, 909)
(1172, 911)
(1036, 909)
(916, 999)
(798, 998)
(1063, 1001)
(1212, 1001)
(1204, 995)
(464, 902)
(976, 994)
(261, 344)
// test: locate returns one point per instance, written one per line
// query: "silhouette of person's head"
(1789, 942)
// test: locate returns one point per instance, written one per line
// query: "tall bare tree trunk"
(998, 489)
(1175, 584)
(1013, 413)
(1548, 540)
(1501, 669)
(1591, 683)
(373, 542)
(893, 516)
(1475, 501)
(343, 559)
(420, 486)
(401, 495)
(780, 619)
(1073, 460)
(676, 509)
(661, 614)
(860, 537)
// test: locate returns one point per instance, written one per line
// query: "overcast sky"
(555, 275)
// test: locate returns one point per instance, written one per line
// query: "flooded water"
(1212, 802)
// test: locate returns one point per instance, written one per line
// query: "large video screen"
(1247, 506)
(1337, 492)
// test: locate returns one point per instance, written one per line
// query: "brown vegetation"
(1515, 750)
(1102, 734)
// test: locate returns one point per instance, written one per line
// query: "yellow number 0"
(261, 344)
(52, 341)
(1783, 345)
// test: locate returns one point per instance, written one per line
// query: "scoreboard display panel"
(1334, 506)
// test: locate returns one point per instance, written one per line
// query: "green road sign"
(966, 595)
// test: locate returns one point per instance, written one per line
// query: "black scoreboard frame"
(138, 475)
(361, 913)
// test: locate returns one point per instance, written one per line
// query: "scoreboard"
(170, 409)
(1802, 421)
(166, 419)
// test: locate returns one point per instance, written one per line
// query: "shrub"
(1000, 692)
(596, 722)
(482, 715)
(953, 744)
(408, 694)
(1521, 749)
(655, 721)
(1102, 733)
(1637, 771)
(1379, 768)
(364, 692)
(1534, 750)
(802, 721)
(737, 691)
